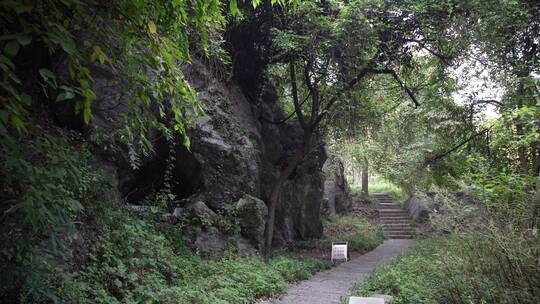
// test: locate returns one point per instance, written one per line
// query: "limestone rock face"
(337, 196)
(298, 216)
(328, 206)
(252, 214)
(210, 241)
(235, 157)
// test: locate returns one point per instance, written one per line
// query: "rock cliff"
(237, 151)
(234, 153)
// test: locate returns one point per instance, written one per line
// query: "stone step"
(410, 236)
(395, 221)
(389, 236)
(391, 208)
(389, 211)
(393, 214)
(397, 231)
(396, 225)
(400, 211)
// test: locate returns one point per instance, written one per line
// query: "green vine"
(143, 42)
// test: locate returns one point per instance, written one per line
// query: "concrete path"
(329, 286)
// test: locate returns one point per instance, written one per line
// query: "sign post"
(339, 251)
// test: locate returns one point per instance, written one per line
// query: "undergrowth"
(66, 239)
(134, 263)
(493, 266)
(361, 235)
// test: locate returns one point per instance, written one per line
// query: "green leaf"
(4, 59)
(49, 77)
(4, 116)
(152, 27)
(26, 99)
(24, 40)
(68, 45)
(18, 123)
(47, 74)
(65, 95)
(233, 7)
(12, 48)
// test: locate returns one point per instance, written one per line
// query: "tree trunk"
(365, 180)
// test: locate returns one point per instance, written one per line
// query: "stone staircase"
(395, 220)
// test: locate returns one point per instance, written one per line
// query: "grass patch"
(361, 234)
(494, 267)
(385, 186)
(355, 190)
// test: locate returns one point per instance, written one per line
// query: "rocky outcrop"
(237, 149)
(252, 213)
(298, 216)
(235, 156)
(199, 212)
(337, 197)
(241, 153)
(421, 205)
(418, 209)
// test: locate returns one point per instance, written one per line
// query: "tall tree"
(330, 47)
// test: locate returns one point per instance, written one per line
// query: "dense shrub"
(493, 266)
(134, 263)
(66, 239)
(47, 179)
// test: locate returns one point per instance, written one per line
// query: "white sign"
(361, 300)
(339, 251)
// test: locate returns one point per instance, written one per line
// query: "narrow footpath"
(328, 287)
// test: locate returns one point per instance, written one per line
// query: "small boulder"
(210, 241)
(198, 210)
(252, 213)
(419, 210)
